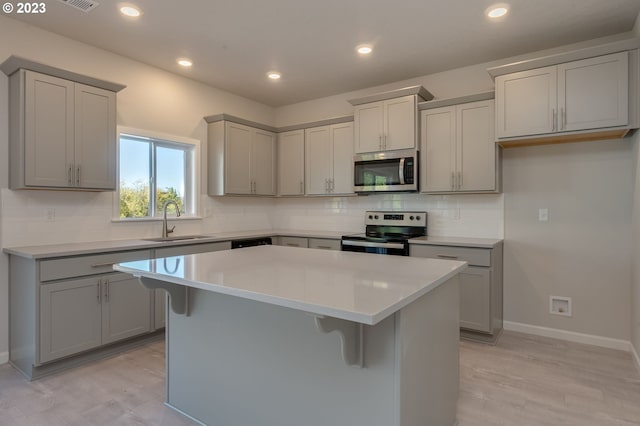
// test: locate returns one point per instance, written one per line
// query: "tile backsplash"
(49, 217)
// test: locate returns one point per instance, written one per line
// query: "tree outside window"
(152, 172)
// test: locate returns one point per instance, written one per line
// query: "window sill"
(154, 219)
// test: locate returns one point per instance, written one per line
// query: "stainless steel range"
(387, 233)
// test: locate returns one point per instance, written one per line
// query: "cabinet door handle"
(98, 286)
(562, 118)
(453, 180)
(293, 245)
(70, 175)
(301, 187)
(444, 256)
(106, 290)
(380, 142)
(324, 247)
(78, 177)
(554, 117)
(384, 145)
(459, 180)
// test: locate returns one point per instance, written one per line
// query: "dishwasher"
(251, 242)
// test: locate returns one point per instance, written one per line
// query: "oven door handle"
(401, 171)
(372, 244)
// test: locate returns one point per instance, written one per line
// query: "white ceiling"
(233, 43)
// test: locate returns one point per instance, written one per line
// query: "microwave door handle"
(401, 171)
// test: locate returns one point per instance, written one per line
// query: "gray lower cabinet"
(61, 307)
(70, 318)
(291, 242)
(314, 243)
(82, 314)
(481, 312)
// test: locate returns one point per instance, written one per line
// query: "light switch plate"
(543, 215)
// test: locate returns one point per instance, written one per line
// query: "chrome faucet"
(165, 229)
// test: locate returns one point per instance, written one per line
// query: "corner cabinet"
(329, 160)
(387, 121)
(62, 133)
(291, 163)
(590, 94)
(458, 151)
(241, 159)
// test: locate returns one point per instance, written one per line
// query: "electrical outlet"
(543, 215)
(50, 214)
(559, 305)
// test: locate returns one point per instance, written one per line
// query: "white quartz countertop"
(95, 247)
(82, 248)
(456, 241)
(359, 287)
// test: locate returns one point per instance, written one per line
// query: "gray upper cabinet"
(242, 159)
(458, 150)
(577, 96)
(291, 163)
(62, 134)
(329, 159)
(386, 125)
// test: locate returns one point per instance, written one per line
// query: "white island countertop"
(360, 287)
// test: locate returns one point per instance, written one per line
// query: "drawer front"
(293, 242)
(78, 266)
(192, 249)
(324, 244)
(473, 256)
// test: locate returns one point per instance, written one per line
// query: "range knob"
(410, 217)
(376, 217)
(370, 216)
(417, 217)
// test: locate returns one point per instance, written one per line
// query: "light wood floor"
(524, 380)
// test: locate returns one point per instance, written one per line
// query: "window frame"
(192, 173)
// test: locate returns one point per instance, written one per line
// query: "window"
(152, 171)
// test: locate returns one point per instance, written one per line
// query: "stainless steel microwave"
(393, 171)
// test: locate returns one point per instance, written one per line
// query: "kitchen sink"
(177, 238)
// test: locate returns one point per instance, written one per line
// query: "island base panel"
(237, 362)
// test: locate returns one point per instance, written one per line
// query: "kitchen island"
(284, 336)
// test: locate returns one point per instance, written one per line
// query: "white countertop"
(456, 241)
(359, 287)
(94, 247)
(76, 249)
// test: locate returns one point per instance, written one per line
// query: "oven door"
(380, 172)
(377, 247)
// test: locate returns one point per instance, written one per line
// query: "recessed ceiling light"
(130, 11)
(364, 49)
(184, 62)
(497, 11)
(274, 75)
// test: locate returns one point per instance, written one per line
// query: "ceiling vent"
(83, 5)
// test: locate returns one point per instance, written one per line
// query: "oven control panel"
(395, 218)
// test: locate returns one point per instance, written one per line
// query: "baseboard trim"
(636, 357)
(4, 357)
(571, 336)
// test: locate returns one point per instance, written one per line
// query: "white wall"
(635, 272)
(583, 250)
(635, 282)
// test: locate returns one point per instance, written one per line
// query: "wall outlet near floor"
(543, 215)
(559, 305)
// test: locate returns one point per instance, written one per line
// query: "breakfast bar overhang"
(281, 336)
